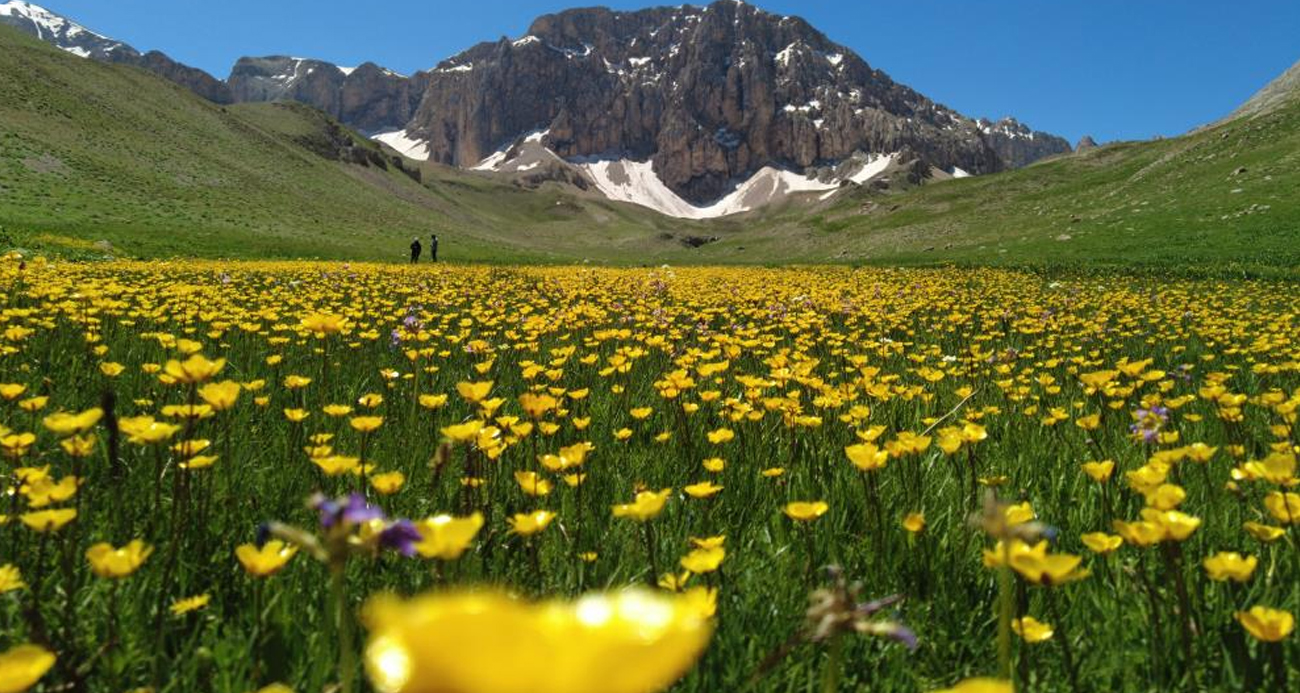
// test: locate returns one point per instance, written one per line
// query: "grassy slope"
(1171, 202)
(92, 152)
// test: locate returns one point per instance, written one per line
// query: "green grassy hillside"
(98, 159)
(1229, 194)
(94, 156)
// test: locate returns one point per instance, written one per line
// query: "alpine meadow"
(720, 362)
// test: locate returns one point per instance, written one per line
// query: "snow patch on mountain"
(57, 30)
(627, 180)
(405, 145)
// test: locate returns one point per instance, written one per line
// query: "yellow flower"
(22, 666)
(773, 472)
(1264, 623)
(648, 504)
(980, 685)
(195, 369)
(1031, 630)
(532, 483)
(715, 464)
(296, 382)
(1099, 471)
(704, 560)
(474, 392)
(109, 562)
(388, 483)
(79, 446)
(324, 324)
(704, 489)
(641, 413)
(366, 424)
(702, 600)
(445, 537)
(463, 432)
(334, 465)
(44, 491)
(267, 560)
(1019, 513)
(490, 643)
(867, 457)
(11, 579)
(184, 606)
(143, 430)
(720, 436)
(914, 522)
(528, 524)
(1229, 565)
(12, 391)
(65, 424)
(111, 369)
(1284, 507)
(295, 415)
(1264, 533)
(908, 443)
(708, 542)
(432, 402)
(220, 396)
(48, 520)
(1101, 542)
(1047, 569)
(806, 511)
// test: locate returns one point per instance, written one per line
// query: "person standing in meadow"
(415, 250)
(433, 248)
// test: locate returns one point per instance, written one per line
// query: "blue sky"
(1116, 69)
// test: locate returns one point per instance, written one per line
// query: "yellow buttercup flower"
(267, 560)
(980, 685)
(1265, 623)
(474, 392)
(1101, 542)
(704, 489)
(914, 522)
(48, 520)
(1264, 533)
(109, 562)
(220, 396)
(388, 483)
(22, 666)
(648, 505)
(624, 642)
(1284, 507)
(1099, 472)
(445, 537)
(324, 324)
(806, 511)
(11, 579)
(528, 524)
(195, 369)
(1230, 565)
(65, 424)
(532, 483)
(867, 457)
(184, 606)
(1031, 630)
(704, 560)
(366, 424)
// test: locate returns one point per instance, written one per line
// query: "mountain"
(100, 159)
(370, 98)
(708, 96)
(82, 42)
(1277, 93)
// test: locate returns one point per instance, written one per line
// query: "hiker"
(433, 248)
(415, 250)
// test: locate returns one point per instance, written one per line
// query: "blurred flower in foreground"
(623, 642)
(22, 666)
(980, 685)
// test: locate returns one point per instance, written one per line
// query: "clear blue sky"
(1116, 69)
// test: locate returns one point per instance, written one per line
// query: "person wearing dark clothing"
(415, 251)
(433, 248)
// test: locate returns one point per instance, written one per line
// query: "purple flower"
(401, 536)
(353, 510)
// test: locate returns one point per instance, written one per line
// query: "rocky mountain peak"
(709, 94)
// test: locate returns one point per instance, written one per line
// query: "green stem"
(343, 623)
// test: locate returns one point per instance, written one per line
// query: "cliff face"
(709, 93)
(368, 98)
